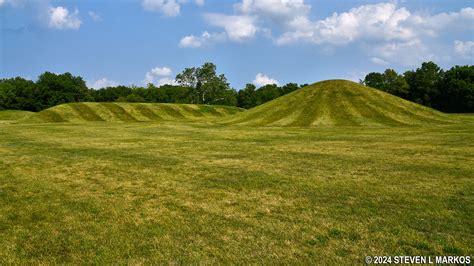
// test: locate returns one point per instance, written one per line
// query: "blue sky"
(110, 42)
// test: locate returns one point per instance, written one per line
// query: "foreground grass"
(170, 192)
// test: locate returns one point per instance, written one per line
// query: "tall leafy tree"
(456, 90)
(424, 82)
(246, 97)
(187, 78)
(395, 84)
(289, 87)
(267, 93)
(374, 80)
(63, 88)
(208, 86)
(21, 94)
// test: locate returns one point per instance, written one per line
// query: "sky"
(135, 42)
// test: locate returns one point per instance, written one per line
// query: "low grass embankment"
(129, 112)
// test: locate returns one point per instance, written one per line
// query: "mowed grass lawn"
(197, 192)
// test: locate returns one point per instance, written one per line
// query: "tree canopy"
(447, 91)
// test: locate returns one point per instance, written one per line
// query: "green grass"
(12, 115)
(129, 112)
(349, 172)
(197, 192)
(340, 103)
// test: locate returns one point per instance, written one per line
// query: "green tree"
(246, 97)
(290, 87)
(7, 96)
(63, 88)
(395, 84)
(209, 87)
(424, 82)
(374, 80)
(111, 94)
(187, 78)
(21, 94)
(131, 98)
(456, 90)
(267, 93)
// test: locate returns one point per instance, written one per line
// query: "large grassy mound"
(130, 112)
(339, 103)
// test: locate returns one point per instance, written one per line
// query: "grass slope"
(12, 115)
(129, 112)
(197, 193)
(339, 103)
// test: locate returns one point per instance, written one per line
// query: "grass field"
(198, 190)
(135, 193)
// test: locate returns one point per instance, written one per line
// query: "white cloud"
(388, 33)
(155, 72)
(205, 39)
(464, 49)
(14, 3)
(102, 83)
(166, 81)
(169, 8)
(407, 53)
(199, 2)
(237, 28)
(60, 18)
(161, 71)
(262, 79)
(279, 11)
(379, 61)
(380, 22)
(94, 16)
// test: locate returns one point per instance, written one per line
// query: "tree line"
(196, 85)
(449, 91)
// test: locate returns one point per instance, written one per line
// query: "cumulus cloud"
(169, 8)
(237, 28)
(382, 21)
(278, 11)
(102, 83)
(60, 18)
(464, 49)
(381, 30)
(205, 39)
(262, 80)
(387, 32)
(163, 72)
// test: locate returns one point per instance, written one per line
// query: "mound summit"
(129, 112)
(338, 103)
